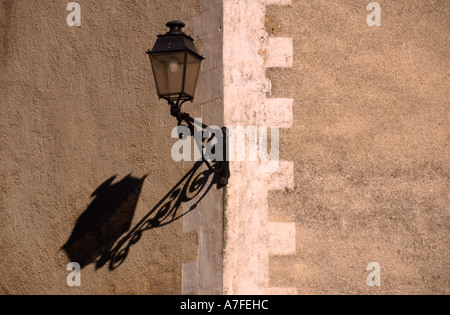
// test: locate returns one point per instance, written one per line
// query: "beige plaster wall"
(78, 106)
(363, 175)
(369, 143)
(203, 275)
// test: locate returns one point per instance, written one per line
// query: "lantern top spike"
(175, 28)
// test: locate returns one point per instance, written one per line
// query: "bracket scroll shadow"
(102, 233)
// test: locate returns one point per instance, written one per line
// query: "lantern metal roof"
(175, 40)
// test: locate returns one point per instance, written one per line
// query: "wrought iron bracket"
(219, 167)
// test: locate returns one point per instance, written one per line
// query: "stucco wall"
(78, 106)
(370, 147)
(363, 170)
(203, 275)
(365, 177)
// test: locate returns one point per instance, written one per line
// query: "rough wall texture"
(368, 141)
(78, 106)
(370, 147)
(204, 275)
(251, 238)
(363, 175)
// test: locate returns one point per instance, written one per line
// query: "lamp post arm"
(224, 166)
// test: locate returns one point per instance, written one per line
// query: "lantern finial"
(175, 27)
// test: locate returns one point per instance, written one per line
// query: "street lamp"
(176, 67)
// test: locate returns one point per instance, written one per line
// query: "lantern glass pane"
(193, 64)
(168, 70)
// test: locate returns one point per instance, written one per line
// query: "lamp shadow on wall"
(103, 233)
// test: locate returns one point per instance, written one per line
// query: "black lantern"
(176, 65)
